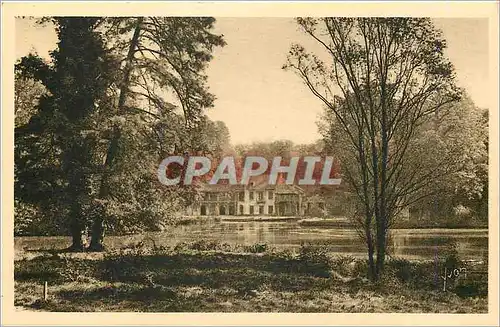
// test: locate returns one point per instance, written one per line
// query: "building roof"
(256, 183)
(261, 183)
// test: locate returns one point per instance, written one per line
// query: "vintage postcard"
(271, 163)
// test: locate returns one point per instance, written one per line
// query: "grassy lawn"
(212, 277)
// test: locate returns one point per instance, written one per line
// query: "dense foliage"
(115, 98)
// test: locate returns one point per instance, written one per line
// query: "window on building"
(241, 196)
(260, 196)
(270, 195)
(321, 205)
(222, 210)
(251, 195)
(251, 210)
(270, 210)
(261, 210)
(241, 210)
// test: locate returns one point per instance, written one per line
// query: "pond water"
(471, 244)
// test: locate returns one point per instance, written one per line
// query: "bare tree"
(380, 79)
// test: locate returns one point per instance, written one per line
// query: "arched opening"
(281, 209)
(222, 210)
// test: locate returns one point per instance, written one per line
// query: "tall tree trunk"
(72, 162)
(77, 230)
(97, 235)
(372, 271)
(98, 226)
(383, 219)
(77, 235)
(381, 247)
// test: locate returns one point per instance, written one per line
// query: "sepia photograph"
(205, 163)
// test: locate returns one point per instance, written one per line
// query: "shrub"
(256, 248)
(204, 245)
(187, 221)
(451, 258)
(414, 274)
(30, 220)
(316, 211)
(344, 265)
(181, 247)
(315, 259)
(403, 269)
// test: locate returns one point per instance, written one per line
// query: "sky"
(258, 100)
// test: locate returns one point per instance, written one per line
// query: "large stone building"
(256, 198)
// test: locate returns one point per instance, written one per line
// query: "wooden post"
(445, 276)
(45, 291)
(436, 269)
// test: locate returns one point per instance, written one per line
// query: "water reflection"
(408, 243)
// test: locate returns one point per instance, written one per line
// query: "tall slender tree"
(381, 79)
(163, 71)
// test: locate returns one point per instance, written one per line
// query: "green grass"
(214, 277)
